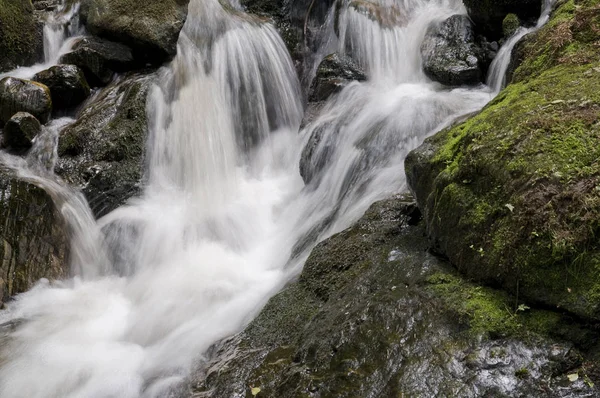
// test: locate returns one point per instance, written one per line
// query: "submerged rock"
(103, 151)
(21, 35)
(511, 196)
(18, 95)
(488, 15)
(333, 74)
(34, 243)
(150, 28)
(100, 59)
(373, 314)
(67, 84)
(20, 130)
(450, 55)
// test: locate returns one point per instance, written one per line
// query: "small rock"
(67, 84)
(20, 130)
(510, 24)
(334, 73)
(450, 55)
(18, 95)
(99, 59)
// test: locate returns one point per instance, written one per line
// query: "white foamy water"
(225, 220)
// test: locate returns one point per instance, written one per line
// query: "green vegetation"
(20, 35)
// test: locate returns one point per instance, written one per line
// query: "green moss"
(20, 35)
(510, 24)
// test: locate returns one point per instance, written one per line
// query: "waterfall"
(225, 220)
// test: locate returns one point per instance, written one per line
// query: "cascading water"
(61, 29)
(225, 220)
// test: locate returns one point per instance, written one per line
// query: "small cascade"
(496, 79)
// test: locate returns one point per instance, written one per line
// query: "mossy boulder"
(489, 14)
(33, 238)
(102, 152)
(20, 130)
(150, 28)
(510, 24)
(18, 95)
(67, 84)
(512, 195)
(373, 314)
(21, 35)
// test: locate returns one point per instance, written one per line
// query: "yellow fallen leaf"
(573, 377)
(254, 391)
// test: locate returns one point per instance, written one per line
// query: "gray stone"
(20, 130)
(67, 84)
(18, 95)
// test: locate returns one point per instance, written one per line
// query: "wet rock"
(17, 95)
(67, 84)
(21, 35)
(488, 15)
(450, 54)
(373, 314)
(510, 196)
(100, 59)
(333, 74)
(33, 238)
(103, 151)
(510, 24)
(387, 16)
(150, 28)
(20, 130)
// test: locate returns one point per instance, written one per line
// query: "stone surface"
(21, 35)
(20, 130)
(511, 196)
(33, 238)
(333, 74)
(373, 314)
(17, 95)
(150, 28)
(450, 54)
(67, 84)
(100, 59)
(102, 152)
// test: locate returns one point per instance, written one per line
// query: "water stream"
(225, 220)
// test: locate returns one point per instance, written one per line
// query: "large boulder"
(450, 54)
(21, 35)
(511, 195)
(103, 151)
(150, 28)
(489, 14)
(34, 241)
(20, 130)
(67, 84)
(334, 73)
(100, 59)
(373, 314)
(18, 95)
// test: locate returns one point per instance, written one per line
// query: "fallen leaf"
(573, 377)
(510, 207)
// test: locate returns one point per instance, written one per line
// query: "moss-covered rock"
(510, 24)
(150, 28)
(67, 84)
(489, 14)
(512, 195)
(18, 95)
(103, 151)
(33, 239)
(21, 35)
(374, 314)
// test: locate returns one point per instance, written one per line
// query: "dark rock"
(67, 84)
(33, 238)
(333, 74)
(20, 130)
(21, 35)
(373, 314)
(100, 59)
(150, 28)
(17, 95)
(450, 54)
(487, 15)
(510, 196)
(103, 151)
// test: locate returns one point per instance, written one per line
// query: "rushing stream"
(225, 219)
